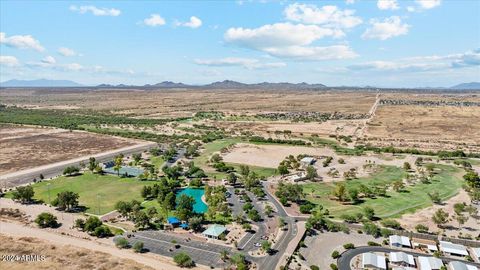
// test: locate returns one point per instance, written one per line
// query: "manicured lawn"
(109, 189)
(447, 182)
(157, 161)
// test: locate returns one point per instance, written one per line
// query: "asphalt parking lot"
(161, 243)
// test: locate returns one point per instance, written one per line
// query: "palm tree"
(224, 255)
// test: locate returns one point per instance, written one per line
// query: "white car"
(257, 244)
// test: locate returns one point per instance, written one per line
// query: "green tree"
(398, 185)
(195, 223)
(45, 220)
(232, 178)
(92, 223)
(66, 200)
(282, 169)
(435, 197)
(137, 158)
(266, 246)
(169, 201)
(92, 164)
(340, 192)
(141, 220)
(406, 166)
(369, 213)
(311, 172)
(71, 170)
(268, 210)
(184, 208)
(24, 194)
(472, 179)
(440, 217)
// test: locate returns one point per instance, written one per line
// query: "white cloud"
(72, 67)
(350, 2)
(154, 20)
(388, 28)
(279, 34)
(423, 5)
(328, 16)
(96, 11)
(423, 63)
(49, 60)
(387, 4)
(288, 40)
(248, 63)
(21, 42)
(428, 4)
(9, 61)
(194, 22)
(313, 53)
(66, 51)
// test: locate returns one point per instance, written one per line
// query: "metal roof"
(452, 248)
(374, 260)
(215, 230)
(402, 257)
(429, 263)
(398, 239)
(461, 266)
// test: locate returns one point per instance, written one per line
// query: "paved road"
(270, 262)
(344, 261)
(202, 253)
(56, 169)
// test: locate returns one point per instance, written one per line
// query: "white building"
(402, 259)
(399, 241)
(453, 249)
(373, 261)
(429, 263)
(461, 266)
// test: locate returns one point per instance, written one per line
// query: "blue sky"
(355, 42)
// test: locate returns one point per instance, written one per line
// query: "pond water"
(197, 193)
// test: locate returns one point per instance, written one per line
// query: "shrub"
(349, 246)
(183, 260)
(121, 242)
(45, 220)
(138, 247)
(102, 231)
(421, 228)
(333, 266)
(389, 223)
(314, 267)
(79, 223)
(373, 244)
(335, 254)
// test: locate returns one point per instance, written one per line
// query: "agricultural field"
(98, 193)
(26, 147)
(447, 182)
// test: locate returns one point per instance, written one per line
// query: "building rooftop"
(429, 263)
(398, 239)
(373, 260)
(476, 252)
(400, 257)
(215, 230)
(452, 248)
(461, 266)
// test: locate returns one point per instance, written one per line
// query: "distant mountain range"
(40, 83)
(226, 84)
(467, 86)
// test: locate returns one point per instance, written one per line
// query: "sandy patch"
(269, 155)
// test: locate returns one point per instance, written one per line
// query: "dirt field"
(424, 216)
(58, 257)
(28, 147)
(269, 155)
(177, 103)
(443, 127)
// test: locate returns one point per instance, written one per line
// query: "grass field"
(447, 182)
(157, 161)
(210, 148)
(109, 189)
